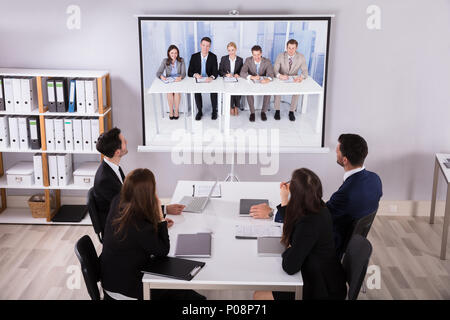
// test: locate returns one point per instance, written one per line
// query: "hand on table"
(283, 77)
(265, 80)
(163, 78)
(177, 79)
(260, 211)
(298, 79)
(175, 208)
(169, 222)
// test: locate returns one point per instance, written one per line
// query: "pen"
(193, 190)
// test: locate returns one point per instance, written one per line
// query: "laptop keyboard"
(196, 204)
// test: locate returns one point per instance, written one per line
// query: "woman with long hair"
(308, 238)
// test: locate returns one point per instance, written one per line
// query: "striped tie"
(290, 63)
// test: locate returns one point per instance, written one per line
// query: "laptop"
(196, 204)
(246, 204)
(270, 247)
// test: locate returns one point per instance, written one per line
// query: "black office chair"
(355, 262)
(93, 213)
(90, 265)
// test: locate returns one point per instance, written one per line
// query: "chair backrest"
(90, 265)
(355, 262)
(93, 213)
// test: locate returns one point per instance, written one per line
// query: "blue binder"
(72, 95)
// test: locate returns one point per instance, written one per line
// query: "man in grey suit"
(288, 64)
(255, 68)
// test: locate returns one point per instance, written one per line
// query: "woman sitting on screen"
(230, 66)
(175, 70)
(135, 229)
(308, 238)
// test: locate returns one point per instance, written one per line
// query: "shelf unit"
(104, 114)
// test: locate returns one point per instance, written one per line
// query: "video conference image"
(234, 77)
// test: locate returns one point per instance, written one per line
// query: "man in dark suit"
(203, 65)
(110, 177)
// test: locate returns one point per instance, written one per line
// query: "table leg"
(299, 293)
(319, 114)
(446, 223)
(304, 103)
(161, 101)
(146, 291)
(433, 193)
(220, 111)
(226, 106)
(156, 113)
(185, 111)
(192, 112)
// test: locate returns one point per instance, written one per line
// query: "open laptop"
(196, 204)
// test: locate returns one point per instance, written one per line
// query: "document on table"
(253, 231)
(168, 80)
(201, 80)
(289, 80)
(202, 190)
(230, 79)
(260, 78)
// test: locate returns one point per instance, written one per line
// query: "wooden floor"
(35, 261)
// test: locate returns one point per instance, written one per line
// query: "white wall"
(391, 86)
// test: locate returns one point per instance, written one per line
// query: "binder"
(50, 134)
(90, 87)
(9, 96)
(87, 142)
(176, 268)
(194, 245)
(68, 134)
(4, 133)
(95, 132)
(13, 132)
(80, 94)
(24, 136)
(64, 164)
(35, 133)
(58, 124)
(72, 103)
(37, 164)
(29, 94)
(17, 94)
(61, 95)
(77, 135)
(2, 96)
(53, 170)
(51, 94)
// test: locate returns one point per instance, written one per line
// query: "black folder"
(176, 268)
(34, 132)
(2, 96)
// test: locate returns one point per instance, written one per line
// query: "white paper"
(202, 190)
(168, 80)
(258, 230)
(230, 79)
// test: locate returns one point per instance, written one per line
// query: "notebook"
(252, 231)
(246, 204)
(270, 247)
(175, 268)
(193, 245)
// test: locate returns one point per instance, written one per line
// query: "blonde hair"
(232, 44)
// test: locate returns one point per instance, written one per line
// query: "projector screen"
(170, 110)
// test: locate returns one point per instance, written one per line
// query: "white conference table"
(234, 263)
(439, 166)
(243, 87)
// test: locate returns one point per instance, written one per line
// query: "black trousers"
(235, 101)
(199, 102)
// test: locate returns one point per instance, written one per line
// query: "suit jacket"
(123, 259)
(195, 65)
(281, 65)
(357, 197)
(312, 251)
(249, 68)
(167, 69)
(106, 186)
(225, 65)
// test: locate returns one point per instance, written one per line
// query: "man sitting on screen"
(287, 65)
(203, 66)
(258, 69)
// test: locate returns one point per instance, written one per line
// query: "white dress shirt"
(115, 168)
(232, 65)
(353, 171)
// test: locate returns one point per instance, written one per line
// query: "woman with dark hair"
(175, 70)
(135, 230)
(308, 238)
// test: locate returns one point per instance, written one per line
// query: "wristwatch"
(271, 213)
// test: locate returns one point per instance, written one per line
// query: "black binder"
(2, 96)
(35, 132)
(175, 268)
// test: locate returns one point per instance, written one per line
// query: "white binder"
(17, 93)
(4, 133)
(9, 95)
(81, 99)
(53, 170)
(50, 134)
(14, 132)
(87, 142)
(59, 134)
(91, 95)
(37, 164)
(77, 135)
(68, 134)
(64, 163)
(24, 136)
(29, 94)
(95, 132)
